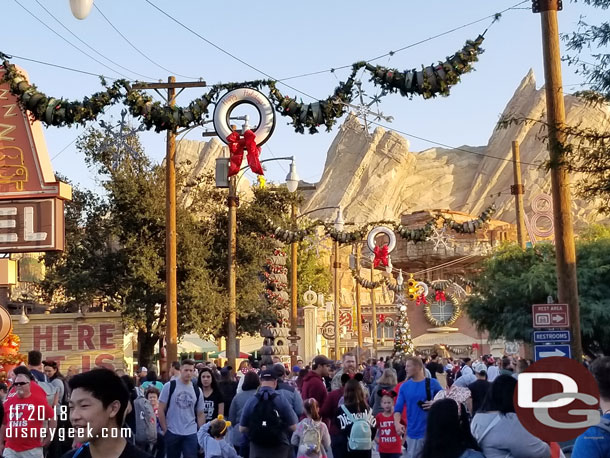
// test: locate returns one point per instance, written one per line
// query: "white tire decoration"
(370, 240)
(421, 288)
(236, 97)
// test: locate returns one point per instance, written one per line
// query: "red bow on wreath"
(382, 318)
(421, 299)
(237, 145)
(440, 296)
(381, 256)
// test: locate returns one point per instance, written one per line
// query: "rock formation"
(375, 177)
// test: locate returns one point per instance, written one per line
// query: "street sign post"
(552, 336)
(546, 351)
(550, 316)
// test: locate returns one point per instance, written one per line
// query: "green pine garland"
(429, 82)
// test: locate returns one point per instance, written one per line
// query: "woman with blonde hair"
(387, 382)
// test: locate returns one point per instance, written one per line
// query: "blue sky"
(285, 39)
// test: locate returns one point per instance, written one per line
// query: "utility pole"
(358, 304)
(567, 284)
(293, 289)
(171, 289)
(518, 190)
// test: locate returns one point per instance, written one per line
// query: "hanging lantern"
(81, 8)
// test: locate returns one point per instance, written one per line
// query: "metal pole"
(336, 266)
(232, 203)
(171, 290)
(358, 304)
(374, 307)
(518, 190)
(293, 288)
(567, 284)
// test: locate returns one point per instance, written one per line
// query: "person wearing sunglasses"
(28, 421)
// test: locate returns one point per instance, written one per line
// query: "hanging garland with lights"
(428, 82)
(409, 234)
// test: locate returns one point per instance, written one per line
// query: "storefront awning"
(447, 338)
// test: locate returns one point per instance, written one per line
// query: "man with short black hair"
(181, 413)
(98, 404)
(595, 441)
(478, 388)
(174, 371)
(35, 365)
(269, 437)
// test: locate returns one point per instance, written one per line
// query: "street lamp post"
(339, 223)
(292, 182)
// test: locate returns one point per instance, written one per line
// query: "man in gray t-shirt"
(177, 413)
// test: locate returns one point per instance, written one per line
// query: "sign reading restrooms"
(31, 198)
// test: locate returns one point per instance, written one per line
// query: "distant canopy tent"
(223, 354)
(192, 343)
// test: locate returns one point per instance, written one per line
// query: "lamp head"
(339, 222)
(23, 319)
(292, 179)
(81, 8)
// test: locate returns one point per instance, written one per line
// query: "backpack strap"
(428, 390)
(172, 388)
(197, 394)
(493, 423)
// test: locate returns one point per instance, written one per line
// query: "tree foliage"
(511, 280)
(115, 246)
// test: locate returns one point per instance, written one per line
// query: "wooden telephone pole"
(518, 190)
(171, 288)
(567, 284)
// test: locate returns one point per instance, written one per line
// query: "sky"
(283, 39)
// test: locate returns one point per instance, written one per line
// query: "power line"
(87, 45)
(65, 148)
(140, 52)
(67, 41)
(233, 56)
(76, 70)
(391, 53)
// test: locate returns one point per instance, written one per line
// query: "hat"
(278, 370)
(143, 369)
(267, 375)
(321, 360)
(296, 369)
(225, 371)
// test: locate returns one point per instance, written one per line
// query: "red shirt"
(389, 440)
(23, 421)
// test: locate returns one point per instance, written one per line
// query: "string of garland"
(457, 310)
(428, 82)
(368, 284)
(409, 234)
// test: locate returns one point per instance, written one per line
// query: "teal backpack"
(360, 435)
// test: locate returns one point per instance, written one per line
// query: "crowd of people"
(416, 408)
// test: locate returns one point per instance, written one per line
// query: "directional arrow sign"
(546, 351)
(550, 316)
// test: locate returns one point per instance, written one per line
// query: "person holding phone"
(417, 393)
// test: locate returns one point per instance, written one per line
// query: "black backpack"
(265, 427)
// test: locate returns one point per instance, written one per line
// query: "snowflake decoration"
(364, 109)
(439, 237)
(316, 243)
(120, 137)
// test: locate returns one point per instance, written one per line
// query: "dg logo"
(557, 399)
